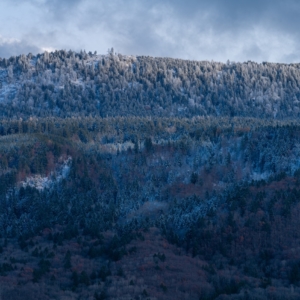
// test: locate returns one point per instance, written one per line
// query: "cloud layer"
(9, 47)
(237, 30)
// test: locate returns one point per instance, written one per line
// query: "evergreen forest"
(127, 177)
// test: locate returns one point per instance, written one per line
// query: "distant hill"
(66, 84)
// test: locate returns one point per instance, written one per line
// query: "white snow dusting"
(40, 183)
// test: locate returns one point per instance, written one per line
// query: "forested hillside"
(65, 84)
(126, 177)
(97, 207)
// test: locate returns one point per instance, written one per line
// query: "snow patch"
(260, 176)
(40, 183)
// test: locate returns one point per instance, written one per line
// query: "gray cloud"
(194, 29)
(13, 48)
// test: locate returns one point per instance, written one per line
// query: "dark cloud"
(196, 29)
(180, 28)
(61, 9)
(236, 15)
(14, 48)
(58, 9)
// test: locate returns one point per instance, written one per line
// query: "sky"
(219, 30)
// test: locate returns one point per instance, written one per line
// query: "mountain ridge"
(66, 84)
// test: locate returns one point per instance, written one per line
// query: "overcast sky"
(238, 30)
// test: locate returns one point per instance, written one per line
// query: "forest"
(66, 84)
(126, 177)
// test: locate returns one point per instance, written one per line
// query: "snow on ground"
(40, 183)
(115, 147)
(7, 90)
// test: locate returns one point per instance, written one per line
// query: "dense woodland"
(148, 178)
(64, 84)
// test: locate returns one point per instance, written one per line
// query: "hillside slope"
(126, 177)
(65, 84)
(149, 208)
